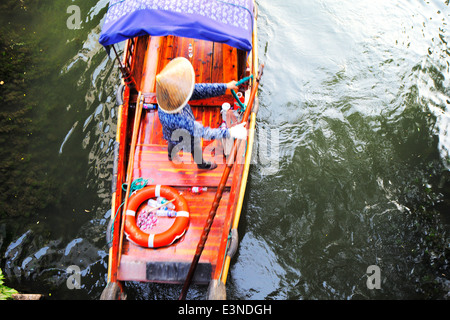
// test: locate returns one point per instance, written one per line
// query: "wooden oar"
(137, 122)
(219, 193)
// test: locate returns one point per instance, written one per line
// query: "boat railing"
(128, 57)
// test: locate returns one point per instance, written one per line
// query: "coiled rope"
(136, 185)
(242, 106)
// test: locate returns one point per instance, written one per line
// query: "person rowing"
(175, 87)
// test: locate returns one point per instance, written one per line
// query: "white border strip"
(151, 238)
(131, 213)
(158, 191)
(183, 214)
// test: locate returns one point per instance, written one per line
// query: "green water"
(351, 166)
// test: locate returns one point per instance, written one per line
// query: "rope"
(112, 5)
(136, 185)
(224, 256)
(244, 80)
(242, 106)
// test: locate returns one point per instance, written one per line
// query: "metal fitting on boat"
(119, 94)
(234, 243)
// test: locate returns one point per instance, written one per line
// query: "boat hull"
(145, 57)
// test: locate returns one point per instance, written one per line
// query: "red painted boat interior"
(213, 63)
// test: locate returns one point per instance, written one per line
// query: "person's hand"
(239, 131)
(232, 85)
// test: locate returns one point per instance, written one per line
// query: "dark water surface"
(351, 167)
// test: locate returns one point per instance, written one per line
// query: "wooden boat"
(141, 151)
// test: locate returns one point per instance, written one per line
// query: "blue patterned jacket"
(185, 118)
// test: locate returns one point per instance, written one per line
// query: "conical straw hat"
(174, 85)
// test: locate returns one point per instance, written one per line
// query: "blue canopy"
(229, 21)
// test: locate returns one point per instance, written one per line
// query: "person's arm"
(208, 90)
(209, 133)
(185, 120)
(238, 132)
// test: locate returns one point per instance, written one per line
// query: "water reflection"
(359, 149)
(37, 248)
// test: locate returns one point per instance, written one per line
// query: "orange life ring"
(166, 238)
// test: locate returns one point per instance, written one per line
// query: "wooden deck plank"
(213, 62)
(217, 66)
(151, 65)
(229, 63)
(171, 174)
(152, 134)
(139, 61)
(202, 61)
(168, 52)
